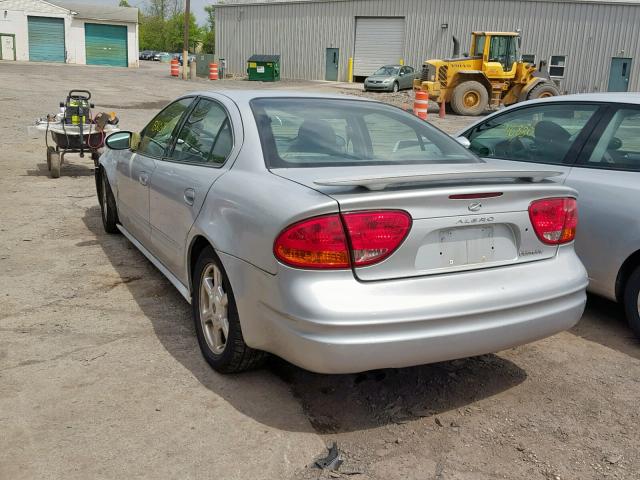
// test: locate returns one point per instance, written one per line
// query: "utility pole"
(185, 47)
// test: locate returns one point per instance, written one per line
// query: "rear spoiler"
(381, 182)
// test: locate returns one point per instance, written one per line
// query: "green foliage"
(124, 3)
(162, 30)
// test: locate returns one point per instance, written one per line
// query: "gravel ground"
(101, 377)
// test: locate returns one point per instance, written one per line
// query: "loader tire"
(470, 98)
(543, 90)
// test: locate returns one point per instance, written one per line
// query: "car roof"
(245, 96)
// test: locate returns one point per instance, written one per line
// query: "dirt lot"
(101, 377)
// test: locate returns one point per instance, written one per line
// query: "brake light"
(554, 219)
(375, 235)
(321, 242)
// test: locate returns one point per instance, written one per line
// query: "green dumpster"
(264, 68)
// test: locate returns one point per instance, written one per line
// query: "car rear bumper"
(328, 322)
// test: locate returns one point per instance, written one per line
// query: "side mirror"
(464, 141)
(123, 141)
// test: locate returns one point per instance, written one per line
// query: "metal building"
(589, 45)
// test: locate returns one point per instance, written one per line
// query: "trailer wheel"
(50, 150)
(470, 98)
(543, 90)
(55, 163)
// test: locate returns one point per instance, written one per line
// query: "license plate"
(466, 246)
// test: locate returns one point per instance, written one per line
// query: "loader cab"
(500, 52)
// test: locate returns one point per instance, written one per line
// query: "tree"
(124, 3)
(209, 33)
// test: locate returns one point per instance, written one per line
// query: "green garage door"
(46, 39)
(106, 44)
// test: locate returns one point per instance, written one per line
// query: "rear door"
(183, 177)
(134, 171)
(607, 176)
(541, 135)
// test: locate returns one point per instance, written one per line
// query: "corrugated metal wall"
(589, 34)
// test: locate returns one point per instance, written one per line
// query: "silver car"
(594, 140)
(340, 234)
(390, 78)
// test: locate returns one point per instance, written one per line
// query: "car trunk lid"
(465, 217)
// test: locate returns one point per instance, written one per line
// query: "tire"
(55, 163)
(543, 90)
(214, 312)
(50, 150)
(108, 209)
(470, 98)
(395, 88)
(632, 301)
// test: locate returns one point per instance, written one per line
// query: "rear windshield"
(320, 132)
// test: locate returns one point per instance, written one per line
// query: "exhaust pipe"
(456, 48)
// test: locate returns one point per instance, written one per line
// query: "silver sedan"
(340, 234)
(594, 140)
(390, 78)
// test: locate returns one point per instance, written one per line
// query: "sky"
(197, 6)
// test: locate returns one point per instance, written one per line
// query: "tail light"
(554, 219)
(339, 241)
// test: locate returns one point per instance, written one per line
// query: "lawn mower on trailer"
(75, 130)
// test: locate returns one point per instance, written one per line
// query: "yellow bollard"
(402, 61)
(350, 70)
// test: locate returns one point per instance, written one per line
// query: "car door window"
(618, 147)
(541, 133)
(158, 134)
(206, 135)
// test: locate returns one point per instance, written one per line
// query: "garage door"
(379, 41)
(106, 44)
(46, 39)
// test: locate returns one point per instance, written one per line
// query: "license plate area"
(452, 248)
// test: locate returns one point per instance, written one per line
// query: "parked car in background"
(161, 56)
(594, 140)
(145, 54)
(339, 233)
(390, 78)
(191, 59)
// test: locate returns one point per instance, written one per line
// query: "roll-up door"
(379, 41)
(106, 44)
(46, 39)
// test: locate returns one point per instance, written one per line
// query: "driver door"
(546, 136)
(134, 171)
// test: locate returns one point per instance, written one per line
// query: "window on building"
(557, 65)
(529, 58)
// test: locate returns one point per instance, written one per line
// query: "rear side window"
(320, 132)
(618, 147)
(540, 133)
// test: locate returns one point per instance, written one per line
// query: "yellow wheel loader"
(492, 74)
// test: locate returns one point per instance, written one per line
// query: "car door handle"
(189, 196)
(143, 178)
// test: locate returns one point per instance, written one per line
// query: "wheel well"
(625, 272)
(198, 244)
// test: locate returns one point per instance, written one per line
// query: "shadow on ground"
(70, 168)
(332, 403)
(604, 322)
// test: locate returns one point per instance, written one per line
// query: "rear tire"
(470, 98)
(632, 301)
(108, 209)
(543, 90)
(56, 163)
(216, 319)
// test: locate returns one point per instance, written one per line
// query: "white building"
(68, 32)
